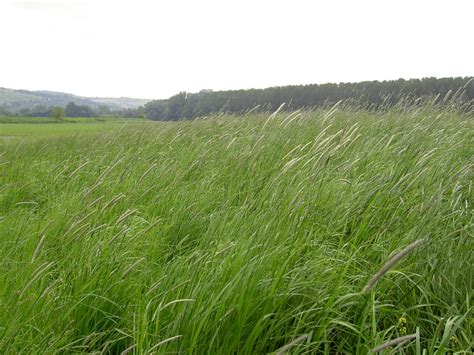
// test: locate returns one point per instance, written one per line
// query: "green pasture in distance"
(17, 127)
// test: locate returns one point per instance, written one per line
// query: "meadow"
(34, 127)
(249, 234)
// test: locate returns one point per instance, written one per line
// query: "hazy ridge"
(17, 100)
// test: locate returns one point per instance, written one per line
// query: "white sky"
(154, 49)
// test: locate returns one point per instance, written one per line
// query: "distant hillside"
(17, 100)
(121, 102)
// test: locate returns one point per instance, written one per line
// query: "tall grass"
(251, 234)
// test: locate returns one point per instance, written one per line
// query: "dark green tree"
(74, 110)
(57, 113)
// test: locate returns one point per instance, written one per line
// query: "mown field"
(253, 234)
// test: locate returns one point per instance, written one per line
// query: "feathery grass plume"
(131, 267)
(273, 115)
(112, 202)
(331, 111)
(393, 342)
(154, 347)
(78, 168)
(252, 109)
(290, 117)
(129, 349)
(390, 263)
(37, 273)
(177, 301)
(38, 248)
(291, 344)
(125, 215)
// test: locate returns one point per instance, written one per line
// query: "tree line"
(75, 110)
(370, 94)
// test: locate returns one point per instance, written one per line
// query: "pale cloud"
(50, 7)
(149, 48)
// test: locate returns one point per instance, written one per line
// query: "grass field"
(248, 235)
(18, 127)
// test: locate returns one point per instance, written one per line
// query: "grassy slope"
(9, 95)
(20, 127)
(239, 235)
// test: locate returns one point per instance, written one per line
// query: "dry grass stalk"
(38, 248)
(390, 263)
(291, 344)
(177, 301)
(393, 342)
(163, 342)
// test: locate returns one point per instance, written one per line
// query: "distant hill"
(16, 100)
(120, 102)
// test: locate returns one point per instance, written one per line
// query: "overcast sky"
(154, 49)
